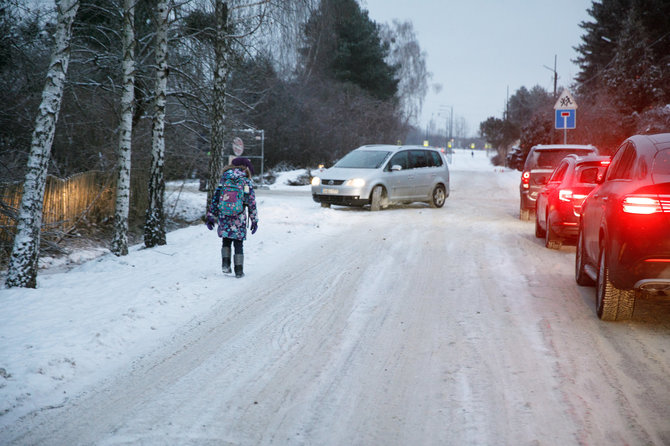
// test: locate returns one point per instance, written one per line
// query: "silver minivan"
(379, 175)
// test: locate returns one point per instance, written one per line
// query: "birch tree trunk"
(119, 245)
(22, 271)
(221, 70)
(154, 226)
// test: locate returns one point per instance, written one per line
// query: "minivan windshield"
(363, 159)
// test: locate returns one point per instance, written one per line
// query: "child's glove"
(210, 222)
(254, 227)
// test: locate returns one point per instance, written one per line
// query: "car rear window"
(589, 173)
(548, 159)
(363, 159)
(660, 172)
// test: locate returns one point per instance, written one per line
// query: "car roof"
(393, 148)
(548, 147)
(661, 141)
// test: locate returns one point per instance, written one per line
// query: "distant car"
(514, 159)
(540, 163)
(624, 232)
(379, 175)
(559, 202)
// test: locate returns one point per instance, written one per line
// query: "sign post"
(566, 114)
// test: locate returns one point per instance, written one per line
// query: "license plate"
(330, 191)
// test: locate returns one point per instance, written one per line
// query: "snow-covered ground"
(83, 322)
(407, 326)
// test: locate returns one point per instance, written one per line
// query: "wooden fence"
(88, 196)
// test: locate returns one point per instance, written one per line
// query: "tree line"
(158, 86)
(622, 88)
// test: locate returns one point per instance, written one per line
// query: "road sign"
(566, 119)
(238, 146)
(565, 102)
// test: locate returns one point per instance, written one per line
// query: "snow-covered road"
(409, 326)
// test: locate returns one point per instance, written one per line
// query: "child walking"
(233, 228)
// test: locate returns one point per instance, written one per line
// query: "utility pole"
(449, 122)
(555, 73)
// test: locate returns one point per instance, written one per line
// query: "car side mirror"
(396, 168)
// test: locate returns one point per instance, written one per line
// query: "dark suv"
(559, 203)
(624, 231)
(540, 163)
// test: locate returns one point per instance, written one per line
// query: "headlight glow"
(316, 181)
(355, 182)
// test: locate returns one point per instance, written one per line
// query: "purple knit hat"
(243, 162)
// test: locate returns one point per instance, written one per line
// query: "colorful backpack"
(231, 198)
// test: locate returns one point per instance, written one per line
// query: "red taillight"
(525, 180)
(641, 204)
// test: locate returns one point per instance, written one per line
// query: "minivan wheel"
(612, 303)
(581, 277)
(376, 200)
(438, 197)
(325, 205)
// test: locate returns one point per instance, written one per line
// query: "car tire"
(581, 277)
(539, 232)
(612, 303)
(551, 240)
(438, 197)
(524, 214)
(376, 199)
(325, 205)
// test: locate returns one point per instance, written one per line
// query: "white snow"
(84, 321)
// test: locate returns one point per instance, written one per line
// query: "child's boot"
(225, 259)
(239, 262)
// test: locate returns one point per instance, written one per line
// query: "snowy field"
(85, 321)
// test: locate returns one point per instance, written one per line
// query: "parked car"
(515, 158)
(540, 163)
(624, 232)
(379, 175)
(559, 202)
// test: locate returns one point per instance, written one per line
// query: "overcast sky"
(476, 49)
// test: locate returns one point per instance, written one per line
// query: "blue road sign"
(566, 118)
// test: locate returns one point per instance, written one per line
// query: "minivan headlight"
(355, 182)
(316, 181)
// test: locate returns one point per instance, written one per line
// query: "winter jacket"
(234, 226)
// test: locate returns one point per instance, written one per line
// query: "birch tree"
(119, 245)
(221, 72)
(154, 227)
(22, 271)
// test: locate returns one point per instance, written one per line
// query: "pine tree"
(625, 39)
(342, 43)
(634, 79)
